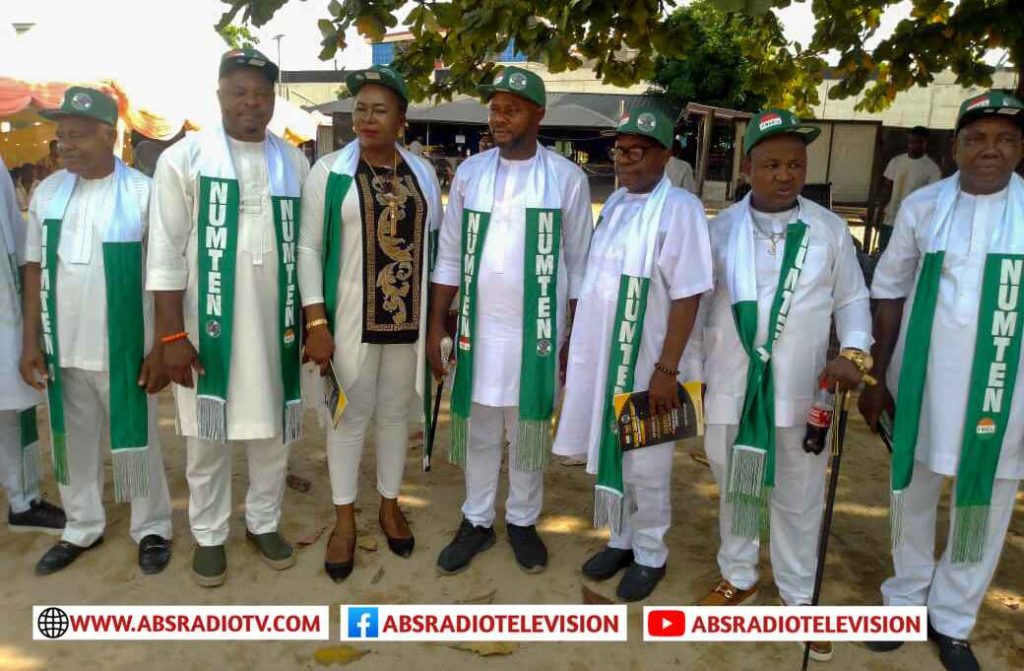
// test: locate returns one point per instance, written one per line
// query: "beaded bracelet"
(665, 369)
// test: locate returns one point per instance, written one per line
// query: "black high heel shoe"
(400, 546)
(338, 571)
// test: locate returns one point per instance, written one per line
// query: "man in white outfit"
(947, 332)
(650, 249)
(784, 268)
(85, 334)
(513, 244)
(222, 265)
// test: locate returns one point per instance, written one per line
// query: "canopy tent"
(163, 77)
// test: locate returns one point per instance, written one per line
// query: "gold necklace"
(391, 196)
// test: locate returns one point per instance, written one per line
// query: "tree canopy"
(622, 41)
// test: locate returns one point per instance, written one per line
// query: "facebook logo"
(362, 622)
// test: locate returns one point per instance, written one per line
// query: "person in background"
(416, 146)
(679, 171)
(903, 175)
(25, 186)
(50, 163)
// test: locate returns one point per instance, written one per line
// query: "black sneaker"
(607, 563)
(468, 541)
(41, 516)
(531, 555)
(954, 653)
(883, 646)
(639, 581)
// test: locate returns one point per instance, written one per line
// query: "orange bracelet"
(174, 337)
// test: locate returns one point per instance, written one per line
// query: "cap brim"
(269, 70)
(355, 86)
(805, 132)
(58, 114)
(1015, 114)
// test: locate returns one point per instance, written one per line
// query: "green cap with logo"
(85, 102)
(649, 123)
(771, 122)
(517, 81)
(247, 57)
(990, 103)
(378, 74)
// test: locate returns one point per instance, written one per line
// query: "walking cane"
(837, 434)
(446, 351)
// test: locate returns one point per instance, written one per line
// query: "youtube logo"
(666, 623)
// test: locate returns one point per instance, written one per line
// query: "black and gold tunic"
(392, 254)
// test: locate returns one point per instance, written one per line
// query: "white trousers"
(19, 494)
(208, 471)
(647, 476)
(87, 421)
(382, 392)
(489, 427)
(796, 507)
(952, 592)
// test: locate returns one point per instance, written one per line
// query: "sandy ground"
(858, 561)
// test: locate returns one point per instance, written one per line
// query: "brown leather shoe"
(727, 594)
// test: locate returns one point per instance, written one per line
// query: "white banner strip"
(180, 623)
(785, 623)
(483, 623)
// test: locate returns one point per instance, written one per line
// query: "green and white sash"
(339, 182)
(752, 458)
(993, 370)
(540, 308)
(219, 201)
(626, 337)
(126, 338)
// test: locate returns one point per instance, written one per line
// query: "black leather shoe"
(60, 556)
(529, 549)
(154, 553)
(41, 516)
(954, 653)
(339, 570)
(639, 581)
(468, 542)
(607, 563)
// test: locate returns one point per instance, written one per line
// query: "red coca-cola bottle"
(819, 418)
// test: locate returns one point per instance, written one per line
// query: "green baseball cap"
(774, 121)
(248, 57)
(647, 122)
(378, 74)
(988, 103)
(85, 102)
(518, 82)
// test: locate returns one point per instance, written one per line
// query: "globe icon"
(53, 623)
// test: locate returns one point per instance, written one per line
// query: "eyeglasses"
(634, 154)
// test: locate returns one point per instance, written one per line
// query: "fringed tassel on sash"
(747, 492)
(211, 415)
(61, 469)
(533, 445)
(458, 438)
(292, 421)
(970, 525)
(608, 511)
(896, 504)
(131, 473)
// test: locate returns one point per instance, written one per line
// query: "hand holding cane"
(446, 352)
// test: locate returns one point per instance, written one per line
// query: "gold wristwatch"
(862, 360)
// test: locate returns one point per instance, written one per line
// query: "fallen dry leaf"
(700, 459)
(310, 539)
(487, 649)
(377, 576)
(367, 543)
(592, 598)
(298, 483)
(337, 654)
(483, 598)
